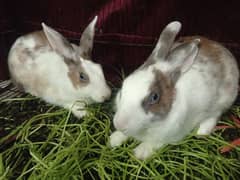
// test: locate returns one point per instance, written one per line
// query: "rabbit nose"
(106, 97)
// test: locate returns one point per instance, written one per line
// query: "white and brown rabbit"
(46, 65)
(182, 85)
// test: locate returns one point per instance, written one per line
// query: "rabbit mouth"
(90, 100)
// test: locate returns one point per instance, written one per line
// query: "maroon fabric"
(6, 33)
(126, 29)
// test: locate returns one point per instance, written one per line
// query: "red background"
(127, 30)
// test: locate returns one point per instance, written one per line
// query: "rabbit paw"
(79, 113)
(117, 138)
(143, 151)
(77, 109)
(207, 126)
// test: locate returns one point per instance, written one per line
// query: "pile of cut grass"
(41, 141)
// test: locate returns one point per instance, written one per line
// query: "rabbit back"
(38, 69)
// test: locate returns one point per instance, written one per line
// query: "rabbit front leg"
(207, 126)
(117, 138)
(145, 150)
(79, 113)
(78, 109)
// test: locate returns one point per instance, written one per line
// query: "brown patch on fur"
(74, 77)
(21, 51)
(207, 47)
(40, 42)
(74, 73)
(27, 53)
(24, 53)
(212, 52)
(165, 88)
(40, 39)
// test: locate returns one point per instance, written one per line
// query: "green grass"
(41, 141)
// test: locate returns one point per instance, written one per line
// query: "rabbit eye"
(83, 77)
(153, 98)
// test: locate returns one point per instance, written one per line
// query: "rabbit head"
(86, 77)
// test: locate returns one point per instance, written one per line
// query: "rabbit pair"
(46, 65)
(183, 85)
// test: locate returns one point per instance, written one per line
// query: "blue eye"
(153, 98)
(83, 77)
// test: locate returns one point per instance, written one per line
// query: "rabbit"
(183, 85)
(45, 64)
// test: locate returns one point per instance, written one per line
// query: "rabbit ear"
(166, 39)
(164, 43)
(182, 58)
(86, 41)
(59, 43)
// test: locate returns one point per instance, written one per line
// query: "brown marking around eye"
(74, 70)
(165, 88)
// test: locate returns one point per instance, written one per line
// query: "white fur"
(117, 138)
